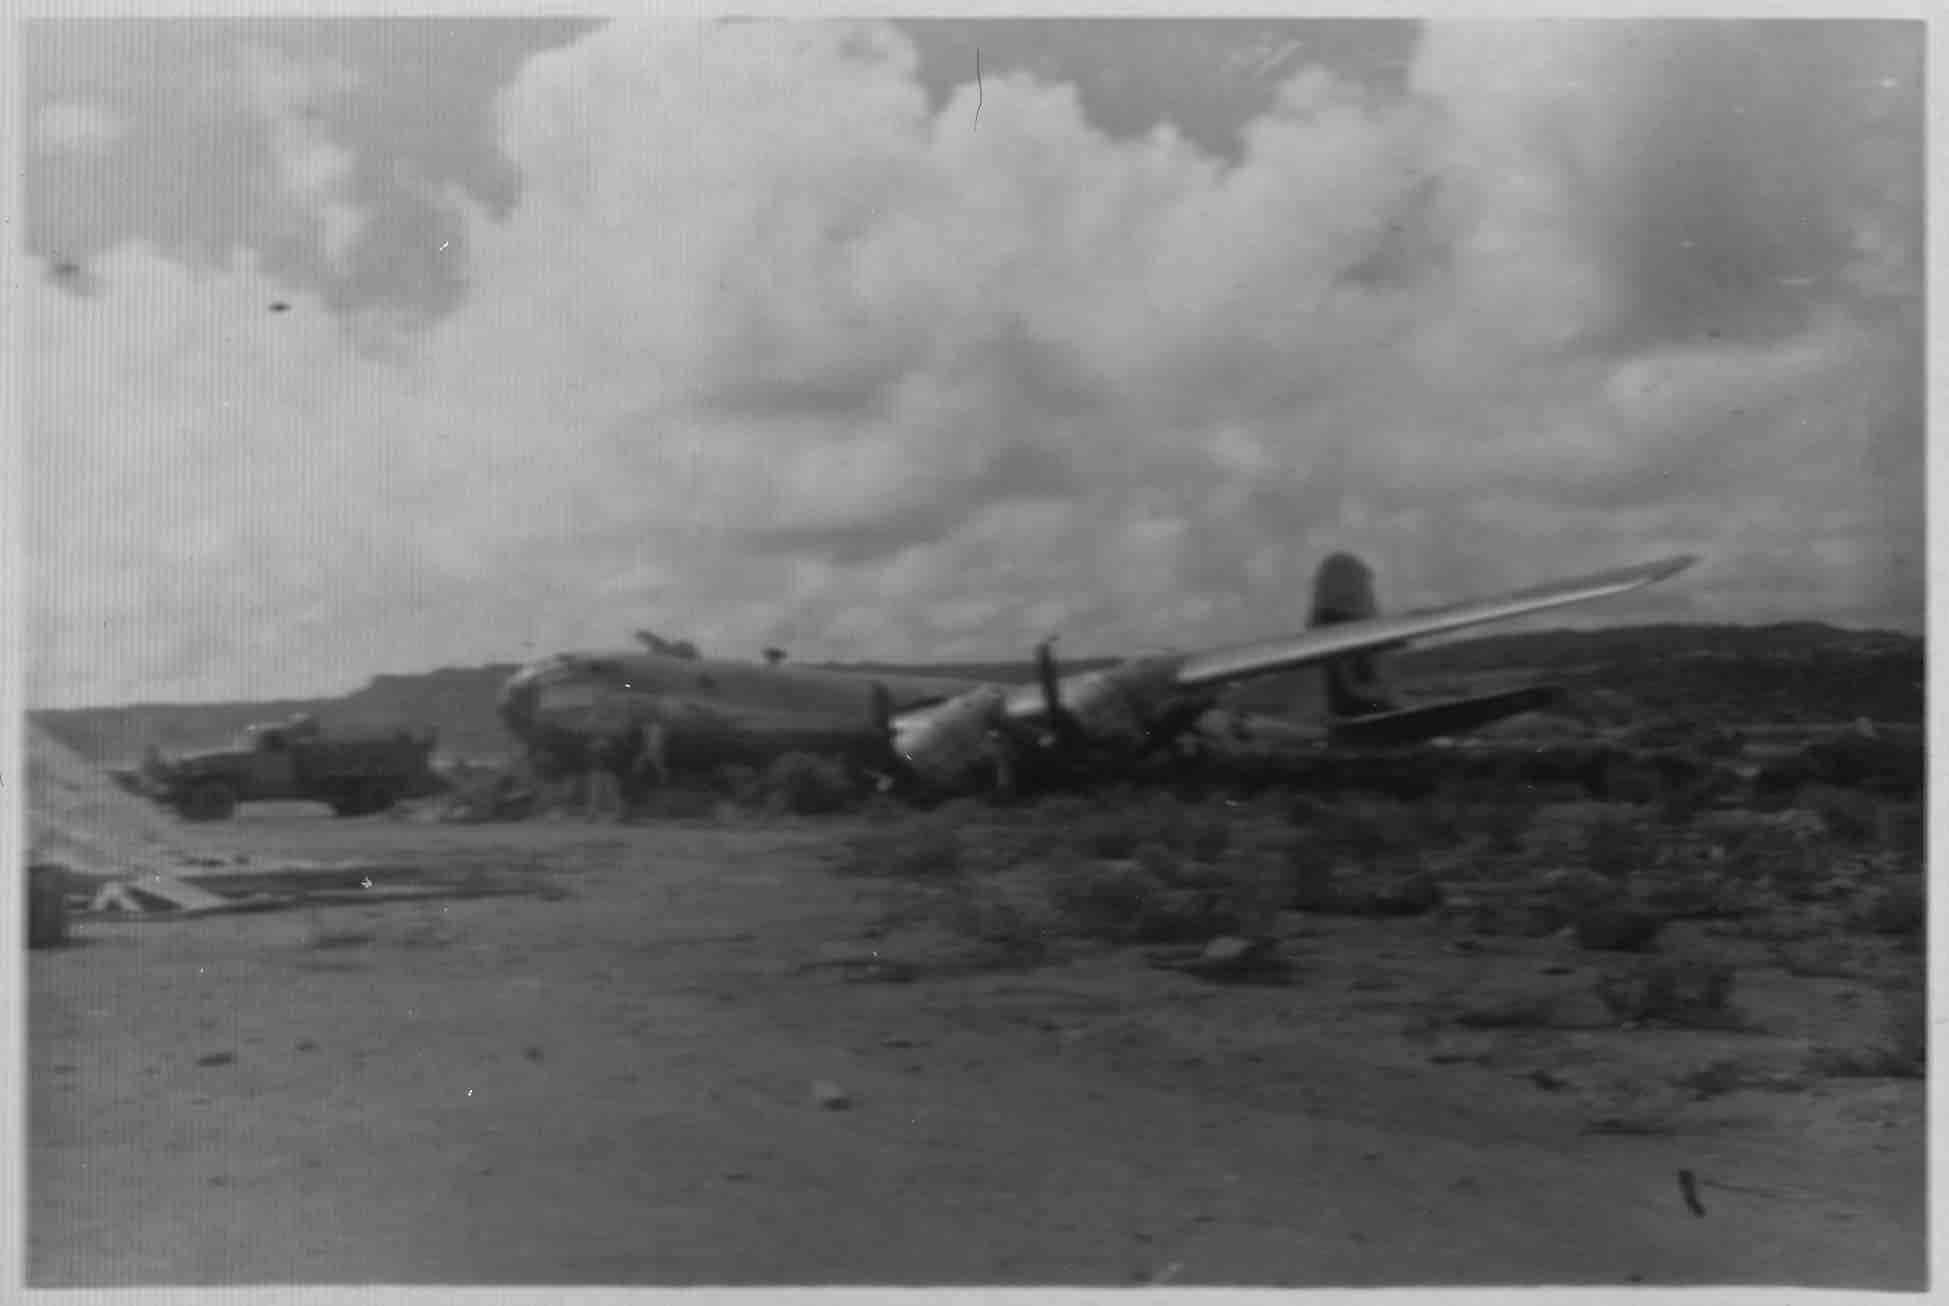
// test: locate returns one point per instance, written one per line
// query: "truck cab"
(275, 754)
(356, 773)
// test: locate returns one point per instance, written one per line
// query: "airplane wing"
(1379, 633)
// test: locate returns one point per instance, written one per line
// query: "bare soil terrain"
(725, 1052)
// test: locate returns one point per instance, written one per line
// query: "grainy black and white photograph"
(1099, 652)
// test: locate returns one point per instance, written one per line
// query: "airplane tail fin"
(1362, 710)
(1343, 590)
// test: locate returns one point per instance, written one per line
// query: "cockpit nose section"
(519, 699)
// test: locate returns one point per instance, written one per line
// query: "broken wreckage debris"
(231, 891)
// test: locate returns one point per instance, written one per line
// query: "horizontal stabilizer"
(1413, 725)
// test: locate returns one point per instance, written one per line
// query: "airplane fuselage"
(713, 712)
(939, 731)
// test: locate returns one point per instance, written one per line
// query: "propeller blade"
(1061, 724)
(1045, 670)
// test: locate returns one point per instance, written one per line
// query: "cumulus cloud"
(316, 171)
(775, 350)
(60, 128)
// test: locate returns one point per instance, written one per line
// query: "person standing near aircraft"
(606, 763)
(1002, 759)
(652, 756)
(638, 759)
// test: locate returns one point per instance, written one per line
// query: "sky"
(380, 345)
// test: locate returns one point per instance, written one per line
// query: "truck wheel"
(213, 800)
(372, 796)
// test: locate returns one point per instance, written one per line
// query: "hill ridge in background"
(1784, 672)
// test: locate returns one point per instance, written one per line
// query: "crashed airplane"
(930, 735)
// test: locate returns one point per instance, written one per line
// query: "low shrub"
(1896, 909)
(1677, 991)
(1108, 835)
(740, 783)
(806, 785)
(1720, 744)
(1680, 805)
(917, 848)
(1849, 815)
(1715, 1078)
(1506, 826)
(1161, 896)
(1365, 830)
(1509, 1011)
(1208, 837)
(1905, 1030)
(1618, 847)
(985, 912)
(1904, 829)
(1302, 866)
(676, 803)
(1617, 928)
(1902, 1051)
(1105, 901)
(1576, 889)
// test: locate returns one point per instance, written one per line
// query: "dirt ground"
(618, 1083)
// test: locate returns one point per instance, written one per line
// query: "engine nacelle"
(949, 746)
(1119, 707)
(1099, 716)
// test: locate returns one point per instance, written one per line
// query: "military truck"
(357, 773)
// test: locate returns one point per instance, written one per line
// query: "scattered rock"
(1228, 959)
(830, 1096)
(1231, 950)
